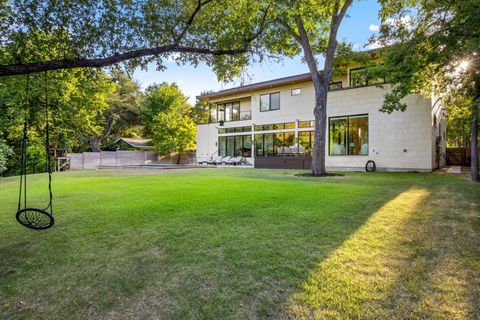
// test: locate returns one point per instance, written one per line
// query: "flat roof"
(258, 86)
(304, 77)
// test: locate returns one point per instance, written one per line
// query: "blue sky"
(356, 28)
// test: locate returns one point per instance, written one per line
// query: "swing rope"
(34, 218)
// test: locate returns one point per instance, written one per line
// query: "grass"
(243, 244)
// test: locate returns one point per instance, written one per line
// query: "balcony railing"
(243, 115)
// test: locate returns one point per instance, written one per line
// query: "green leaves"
(139, 31)
(166, 115)
(5, 153)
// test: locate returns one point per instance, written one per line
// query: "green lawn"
(243, 244)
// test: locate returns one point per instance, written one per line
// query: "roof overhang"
(304, 77)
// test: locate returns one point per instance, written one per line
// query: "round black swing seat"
(34, 218)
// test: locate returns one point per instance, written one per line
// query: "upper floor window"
(225, 112)
(358, 77)
(296, 92)
(361, 77)
(270, 101)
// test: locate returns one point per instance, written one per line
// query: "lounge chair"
(235, 161)
(203, 161)
(213, 161)
(222, 161)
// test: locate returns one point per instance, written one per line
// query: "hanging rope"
(34, 218)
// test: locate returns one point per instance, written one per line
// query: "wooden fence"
(459, 156)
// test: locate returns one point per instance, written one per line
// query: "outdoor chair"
(235, 161)
(213, 161)
(223, 160)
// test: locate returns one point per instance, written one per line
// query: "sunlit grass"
(243, 244)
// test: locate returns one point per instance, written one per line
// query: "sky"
(361, 22)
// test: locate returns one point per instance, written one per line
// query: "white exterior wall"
(400, 141)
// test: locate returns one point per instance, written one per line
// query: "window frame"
(350, 77)
(269, 101)
(368, 81)
(232, 142)
(348, 133)
(299, 90)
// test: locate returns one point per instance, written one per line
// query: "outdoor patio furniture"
(223, 160)
(213, 161)
(235, 161)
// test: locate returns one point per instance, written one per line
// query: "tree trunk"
(95, 145)
(320, 81)
(179, 156)
(96, 142)
(320, 113)
(474, 145)
(474, 130)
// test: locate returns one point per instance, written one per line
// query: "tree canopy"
(167, 117)
(433, 47)
(102, 33)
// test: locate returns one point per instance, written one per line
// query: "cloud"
(405, 20)
(374, 27)
(374, 45)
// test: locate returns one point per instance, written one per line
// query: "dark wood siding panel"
(283, 162)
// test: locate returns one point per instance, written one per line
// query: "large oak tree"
(310, 27)
(102, 33)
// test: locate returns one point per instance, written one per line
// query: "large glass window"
(349, 135)
(235, 146)
(282, 143)
(269, 144)
(230, 146)
(247, 146)
(222, 146)
(305, 142)
(358, 135)
(264, 144)
(289, 139)
(270, 101)
(259, 151)
(278, 143)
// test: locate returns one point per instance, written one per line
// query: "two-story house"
(271, 124)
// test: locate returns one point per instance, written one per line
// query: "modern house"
(271, 124)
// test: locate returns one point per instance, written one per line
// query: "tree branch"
(70, 63)
(307, 50)
(332, 40)
(189, 22)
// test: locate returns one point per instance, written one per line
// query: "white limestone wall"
(207, 139)
(400, 141)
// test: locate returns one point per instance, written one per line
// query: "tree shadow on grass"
(417, 257)
(230, 255)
